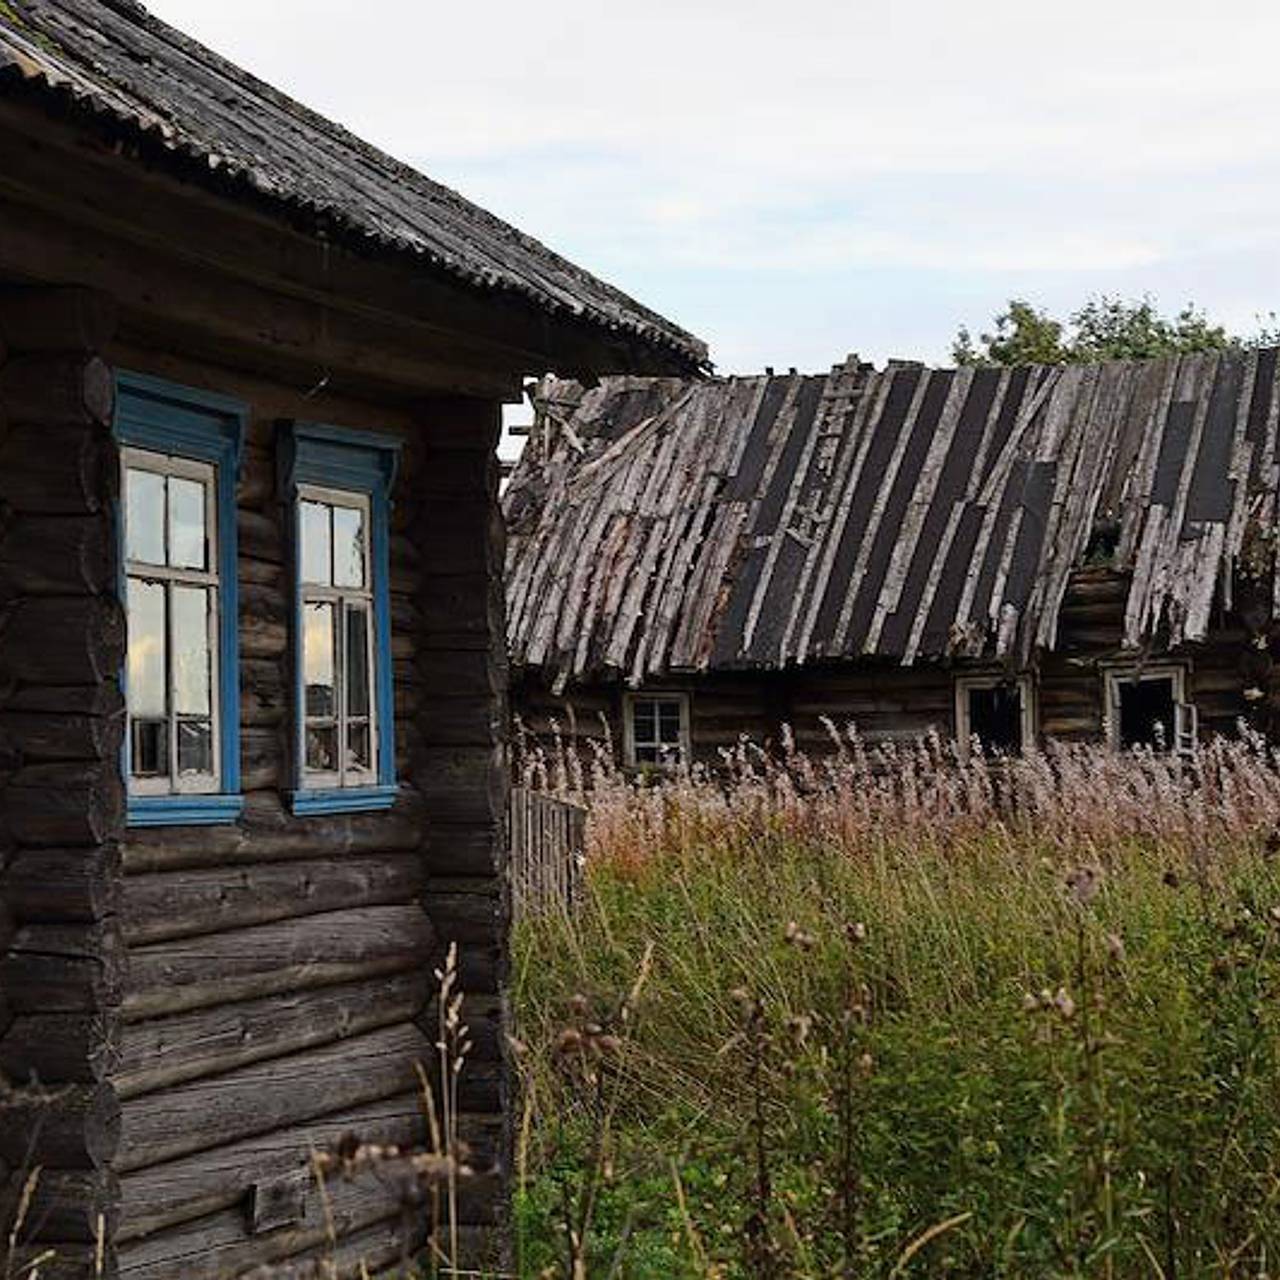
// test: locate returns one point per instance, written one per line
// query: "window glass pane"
(669, 722)
(195, 746)
(192, 678)
(322, 748)
(357, 655)
(187, 528)
(995, 717)
(645, 721)
(359, 745)
(149, 749)
(348, 547)
(318, 660)
(646, 755)
(317, 546)
(1147, 714)
(147, 684)
(144, 516)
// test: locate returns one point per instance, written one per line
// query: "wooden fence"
(548, 851)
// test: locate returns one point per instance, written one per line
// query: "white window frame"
(344, 777)
(991, 680)
(206, 474)
(629, 701)
(1186, 717)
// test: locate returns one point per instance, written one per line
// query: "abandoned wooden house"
(1011, 554)
(253, 705)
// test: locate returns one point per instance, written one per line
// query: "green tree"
(1105, 328)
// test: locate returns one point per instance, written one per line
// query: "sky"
(794, 182)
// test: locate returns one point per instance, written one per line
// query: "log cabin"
(253, 683)
(1007, 554)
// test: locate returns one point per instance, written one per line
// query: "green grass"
(1124, 1123)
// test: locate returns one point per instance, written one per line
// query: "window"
(179, 450)
(998, 710)
(338, 484)
(656, 729)
(1147, 707)
(338, 660)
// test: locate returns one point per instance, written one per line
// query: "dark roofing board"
(115, 62)
(908, 513)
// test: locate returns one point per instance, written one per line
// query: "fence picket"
(548, 851)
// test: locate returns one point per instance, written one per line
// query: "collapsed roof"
(664, 525)
(184, 108)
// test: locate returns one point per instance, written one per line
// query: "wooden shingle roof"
(183, 107)
(666, 525)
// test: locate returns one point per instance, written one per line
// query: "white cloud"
(839, 165)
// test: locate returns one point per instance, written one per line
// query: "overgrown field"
(900, 1015)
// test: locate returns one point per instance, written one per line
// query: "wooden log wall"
(224, 999)
(61, 796)
(461, 760)
(887, 702)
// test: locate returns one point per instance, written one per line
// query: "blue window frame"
(337, 484)
(180, 453)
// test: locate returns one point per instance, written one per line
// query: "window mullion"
(340, 681)
(171, 700)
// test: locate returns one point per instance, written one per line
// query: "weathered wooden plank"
(322, 950)
(203, 1183)
(162, 1052)
(272, 1094)
(184, 903)
(268, 832)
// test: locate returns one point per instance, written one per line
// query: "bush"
(897, 1013)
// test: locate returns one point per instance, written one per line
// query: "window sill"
(343, 800)
(183, 811)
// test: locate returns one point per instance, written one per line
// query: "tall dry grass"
(909, 1013)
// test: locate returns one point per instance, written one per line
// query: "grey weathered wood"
(183, 1190)
(242, 964)
(183, 903)
(272, 1094)
(268, 832)
(216, 1245)
(162, 1052)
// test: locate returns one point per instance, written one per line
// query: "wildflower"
(866, 1064)
(1030, 1003)
(856, 932)
(568, 1041)
(1064, 1004)
(799, 1026)
(1083, 884)
(798, 938)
